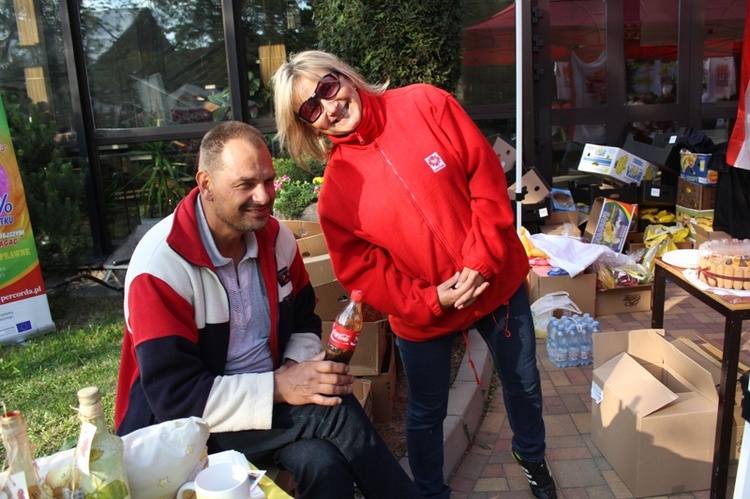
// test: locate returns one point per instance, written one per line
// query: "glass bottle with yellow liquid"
(99, 455)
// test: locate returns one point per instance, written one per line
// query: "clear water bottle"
(574, 344)
(586, 344)
(595, 327)
(552, 340)
(561, 346)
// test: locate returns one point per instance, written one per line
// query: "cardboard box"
(505, 151)
(372, 344)
(613, 162)
(534, 186)
(663, 150)
(689, 217)
(654, 413)
(656, 193)
(309, 237)
(712, 364)
(609, 223)
(694, 167)
(581, 288)
(562, 217)
(537, 212)
(625, 299)
(587, 192)
(320, 269)
(312, 246)
(695, 196)
(703, 234)
(331, 298)
(362, 389)
(303, 229)
(384, 388)
(634, 242)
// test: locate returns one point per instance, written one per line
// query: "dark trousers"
(327, 450)
(427, 367)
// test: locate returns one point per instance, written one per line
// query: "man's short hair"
(212, 145)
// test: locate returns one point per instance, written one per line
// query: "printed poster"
(24, 310)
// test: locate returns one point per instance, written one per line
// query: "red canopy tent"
(650, 32)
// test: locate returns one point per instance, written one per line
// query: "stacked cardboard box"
(374, 358)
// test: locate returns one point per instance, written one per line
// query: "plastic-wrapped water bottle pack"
(569, 340)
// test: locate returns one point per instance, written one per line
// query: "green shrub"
(415, 41)
(295, 187)
(286, 166)
(54, 188)
(293, 196)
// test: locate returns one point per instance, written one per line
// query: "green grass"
(40, 378)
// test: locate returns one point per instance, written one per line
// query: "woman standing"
(415, 211)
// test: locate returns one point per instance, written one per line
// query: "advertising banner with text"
(24, 310)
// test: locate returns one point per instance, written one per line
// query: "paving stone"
(491, 484)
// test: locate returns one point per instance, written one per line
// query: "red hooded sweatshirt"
(413, 196)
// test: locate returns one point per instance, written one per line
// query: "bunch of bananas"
(656, 216)
(531, 250)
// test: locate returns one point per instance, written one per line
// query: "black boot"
(541, 482)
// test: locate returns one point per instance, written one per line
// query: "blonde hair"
(302, 142)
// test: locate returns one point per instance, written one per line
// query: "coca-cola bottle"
(23, 478)
(346, 328)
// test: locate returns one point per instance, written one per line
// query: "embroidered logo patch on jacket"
(283, 277)
(435, 162)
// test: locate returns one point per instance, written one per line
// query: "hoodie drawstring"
(465, 334)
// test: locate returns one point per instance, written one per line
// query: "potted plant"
(165, 180)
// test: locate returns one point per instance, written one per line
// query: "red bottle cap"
(357, 295)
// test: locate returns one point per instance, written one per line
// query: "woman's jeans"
(427, 366)
(327, 450)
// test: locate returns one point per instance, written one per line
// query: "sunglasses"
(327, 88)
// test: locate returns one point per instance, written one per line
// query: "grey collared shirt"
(250, 325)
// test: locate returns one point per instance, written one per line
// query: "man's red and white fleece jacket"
(177, 328)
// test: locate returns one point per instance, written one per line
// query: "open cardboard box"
(362, 390)
(384, 388)
(702, 234)
(609, 223)
(370, 352)
(662, 150)
(581, 289)
(709, 358)
(374, 338)
(534, 185)
(504, 151)
(654, 413)
(303, 229)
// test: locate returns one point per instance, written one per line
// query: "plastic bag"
(544, 307)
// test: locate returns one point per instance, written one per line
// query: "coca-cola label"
(343, 338)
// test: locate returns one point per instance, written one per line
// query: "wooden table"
(734, 315)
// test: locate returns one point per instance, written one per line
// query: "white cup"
(220, 481)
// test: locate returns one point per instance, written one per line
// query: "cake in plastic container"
(725, 263)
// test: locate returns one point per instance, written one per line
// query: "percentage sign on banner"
(6, 207)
